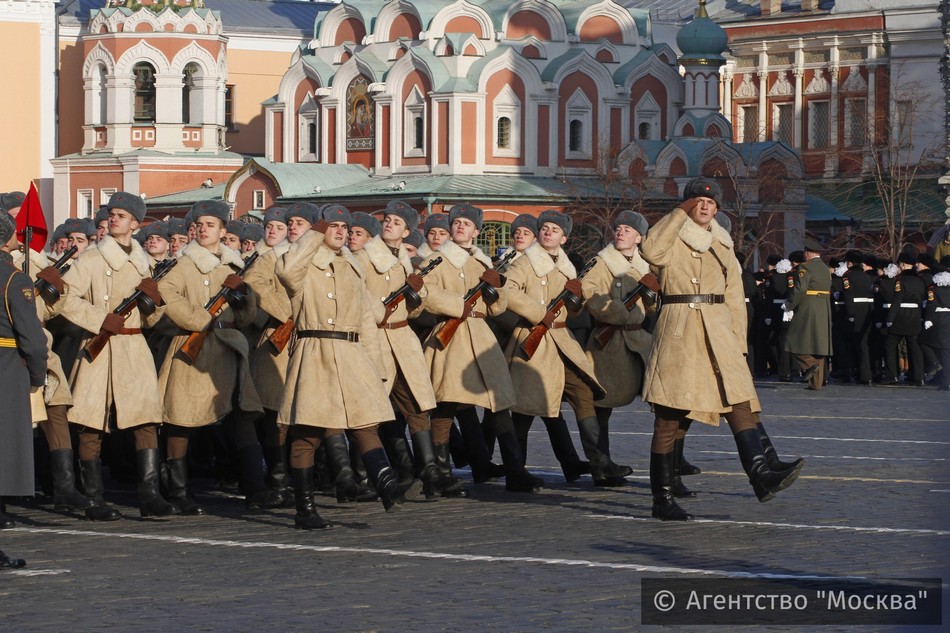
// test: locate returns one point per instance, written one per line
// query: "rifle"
(192, 346)
(281, 335)
(530, 344)
(406, 293)
(444, 336)
(605, 332)
(48, 292)
(95, 346)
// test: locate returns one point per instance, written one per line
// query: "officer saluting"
(22, 366)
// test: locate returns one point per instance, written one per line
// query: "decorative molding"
(782, 86)
(747, 89)
(855, 82)
(818, 84)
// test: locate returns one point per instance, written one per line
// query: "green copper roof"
(302, 179)
(191, 196)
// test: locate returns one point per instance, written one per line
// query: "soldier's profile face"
(336, 235)
(522, 239)
(232, 240)
(626, 237)
(394, 228)
(436, 237)
(296, 227)
(176, 243)
(358, 237)
(551, 236)
(274, 232)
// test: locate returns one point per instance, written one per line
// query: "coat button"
(108, 273)
(618, 284)
(206, 282)
(462, 275)
(387, 277)
(694, 254)
(692, 305)
(694, 280)
(330, 321)
(328, 274)
(329, 295)
(105, 298)
(544, 282)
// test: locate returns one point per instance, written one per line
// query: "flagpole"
(26, 251)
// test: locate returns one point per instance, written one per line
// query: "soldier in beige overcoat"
(120, 386)
(217, 385)
(472, 369)
(559, 368)
(335, 377)
(387, 268)
(268, 364)
(697, 368)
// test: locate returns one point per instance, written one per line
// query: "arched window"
(190, 97)
(102, 109)
(420, 132)
(414, 124)
(144, 96)
(504, 133)
(576, 141)
(493, 236)
(643, 132)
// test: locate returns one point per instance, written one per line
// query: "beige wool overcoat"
(618, 365)
(268, 366)
(472, 369)
(331, 383)
(124, 373)
(385, 273)
(697, 361)
(533, 281)
(201, 393)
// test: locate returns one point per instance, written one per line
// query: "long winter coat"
(472, 369)
(123, 374)
(22, 365)
(331, 384)
(385, 273)
(268, 367)
(810, 330)
(697, 363)
(200, 394)
(619, 365)
(938, 312)
(533, 281)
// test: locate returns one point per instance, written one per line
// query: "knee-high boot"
(178, 487)
(436, 481)
(307, 517)
(571, 464)
(340, 468)
(366, 491)
(391, 492)
(603, 443)
(256, 495)
(323, 482)
(665, 507)
(678, 487)
(478, 457)
(65, 495)
(765, 481)
(590, 431)
(275, 456)
(151, 502)
(772, 456)
(522, 425)
(686, 468)
(90, 472)
(393, 437)
(457, 447)
(517, 479)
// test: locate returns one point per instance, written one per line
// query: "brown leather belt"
(393, 326)
(129, 331)
(352, 337)
(694, 298)
(478, 315)
(558, 325)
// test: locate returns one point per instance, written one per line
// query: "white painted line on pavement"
(34, 572)
(797, 526)
(473, 558)
(938, 491)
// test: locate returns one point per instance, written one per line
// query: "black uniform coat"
(22, 365)
(938, 313)
(810, 300)
(858, 296)
(908, 289)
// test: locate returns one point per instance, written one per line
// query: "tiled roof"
(191, 196)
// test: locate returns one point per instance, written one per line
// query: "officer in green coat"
(809, 336)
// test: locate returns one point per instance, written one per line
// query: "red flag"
(31, 215)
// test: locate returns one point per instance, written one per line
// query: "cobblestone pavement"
(872, 502)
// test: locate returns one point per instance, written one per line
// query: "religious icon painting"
(360, 115)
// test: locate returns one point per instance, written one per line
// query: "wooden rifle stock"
(95, 346)
(445, 334)
(605, 332)
(531, 343)
(196, 340)
(281, 336)
(398, 296)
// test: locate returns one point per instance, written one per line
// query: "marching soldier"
(22, 369)
(809, 336)
(364, 228)
(903, 322)
(436, 231)
(858, 296)
(697, 369)
(217, 383)
(937, 322)
(177, 236)
(156, 244)
(253, 233)
(334, 381)
(120, 384)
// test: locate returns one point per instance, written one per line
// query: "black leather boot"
(391, 492)
(590, 431)
(522, 424)
(517, 479)
(6, 522)
(483, 469)
(91, 474)
(436, 481)
(341, 472)
(397, 450)
(151, 502)
(257, 496)
(603, 443)
(665, 507)
(686, 469)
(307, 517)
(571, 464)
(765, 481)
(178, 494)
(365, 489)
(65, 495)
(275, 456)
(457, 447)
(323, 482)
(772, 456)
(11, 563)
(676, 483)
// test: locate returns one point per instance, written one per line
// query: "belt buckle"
(351, 337)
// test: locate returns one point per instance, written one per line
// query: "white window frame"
(740, 122)
(507, 105)
(105, 194)
(258, 199)
(84, 206)
(414, 107)
(308, 113)
(811, 124)
(578, 108)
(647, 111)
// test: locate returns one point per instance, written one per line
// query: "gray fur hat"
(336, 213)
(101, 214)
(275, 214)
(253, 232)
(525, 221)
(415, 238)
(177, 226)
(213, 208)
(436, 221)
(724, 221)
(128, 202)
(12, 200)
(80, 225)
(304, 210)
(7, 227)
(705, 188)
(634, 220)
(409, 215)
(556, 217)
(160, 229)
(467, 211)
(366, 222)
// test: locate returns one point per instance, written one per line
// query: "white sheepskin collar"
(206, 261)
(424, 251)
(783, 266)
(382, 258)
(543, 264)
(457, 256)
(942, 279)
(116, 258)
(324, 257)
(700, 240)
(279, 248)
(618, 265)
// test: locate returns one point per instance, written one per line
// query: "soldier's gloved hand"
(113, 323)
(688, 205)
(549, 319)
(149, 288)
(575, 287)
(878, 325)
(851, 319)
(784, 307)
(889, 324)
(320, 226)
(234, 282)
(928, 325)
(493, 278)
(650, 281)
(51, 276)
(416, 282)
(768, 321)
